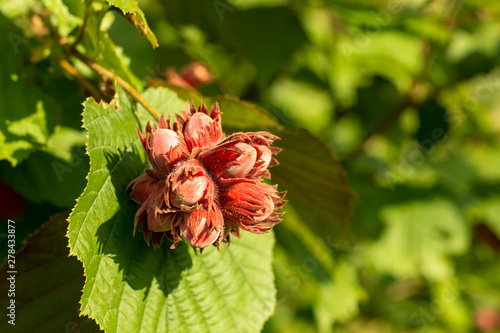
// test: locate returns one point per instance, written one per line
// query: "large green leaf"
(48, 284)
(133, 288)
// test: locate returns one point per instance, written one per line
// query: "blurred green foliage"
(405, 94)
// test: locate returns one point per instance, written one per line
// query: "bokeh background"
(406, 95)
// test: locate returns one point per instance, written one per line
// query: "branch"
(112, 76)
(84, 26)
(68, 68)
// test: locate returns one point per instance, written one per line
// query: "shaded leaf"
(48, 284)
(315, 181)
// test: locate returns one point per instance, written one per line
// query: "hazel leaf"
(48, 284)
(316, 183)
(131, 287)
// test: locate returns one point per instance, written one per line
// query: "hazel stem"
(68, 68)
(112, 76)
(84, 26)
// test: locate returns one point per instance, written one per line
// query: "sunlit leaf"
(131, 287)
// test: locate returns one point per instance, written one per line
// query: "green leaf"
(240, 115)
(316, 183)
(455, 314)
(112, 58)
(136, 15)
(429, 28)
(48, 284)
(27, 116)
(163, 100)
(475, 156)
(44, 176)
(133, 288)
(419, 238)
(100, 48)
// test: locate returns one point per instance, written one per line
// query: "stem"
(68, 68)
(70, 50)
(112, 76)
(84, 26)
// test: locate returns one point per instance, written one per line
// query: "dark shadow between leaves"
(138, 263)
